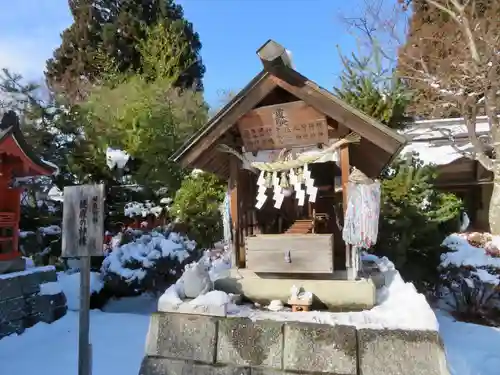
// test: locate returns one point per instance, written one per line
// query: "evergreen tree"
(365, 85)
(144, 114)
(414, 217)
(116, 28)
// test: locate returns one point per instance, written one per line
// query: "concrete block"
(13, 265)
(188, 308)
(320, 348)
(182, 336)
(12, 309)
(164, 366)
(245, 343)
(47, 308)
(29, 283)
(8, 328)
(10, 288)
(395, 352)
(46, 276)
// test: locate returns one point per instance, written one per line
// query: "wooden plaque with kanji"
(283, 125)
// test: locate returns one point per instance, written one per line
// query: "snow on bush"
(116, 158)
(470, 276)
(479, 260)
(147, 263)
(135, 209)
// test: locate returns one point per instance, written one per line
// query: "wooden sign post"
(82, 237)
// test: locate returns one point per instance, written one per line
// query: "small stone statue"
(196, 280)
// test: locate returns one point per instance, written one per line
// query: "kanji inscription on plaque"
(282, 125)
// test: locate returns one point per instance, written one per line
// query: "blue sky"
(230, 30)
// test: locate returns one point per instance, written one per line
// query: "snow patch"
(116, 158)
(214, 298)
(70, 285)
(27, 272)
(50, 289)
(55, 194)
(51, 230)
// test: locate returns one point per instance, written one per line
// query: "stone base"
(22, 305)
(13, 265)
(336, 295)
(188, 308)
(180, 344)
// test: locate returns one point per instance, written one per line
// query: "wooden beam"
(328, 104)
(345, 170)
(229, 118)
(235, 208)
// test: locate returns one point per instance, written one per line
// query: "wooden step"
(300, 227)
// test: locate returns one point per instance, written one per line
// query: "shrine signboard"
(283, 125)
(83, 221)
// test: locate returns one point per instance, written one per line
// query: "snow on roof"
(430, 139)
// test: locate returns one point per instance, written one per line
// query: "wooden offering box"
(290, 253)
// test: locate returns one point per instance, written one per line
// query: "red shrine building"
(17, 159)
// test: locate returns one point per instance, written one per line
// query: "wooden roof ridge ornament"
(202, 151)
(17, 159)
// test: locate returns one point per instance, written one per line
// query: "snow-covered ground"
(117, 338)
(471, 349)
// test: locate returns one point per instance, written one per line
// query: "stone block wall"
(21, 303)
(179, 344)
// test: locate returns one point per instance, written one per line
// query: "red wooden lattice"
(8, 236)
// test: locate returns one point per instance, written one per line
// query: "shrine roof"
(388, 143)
(10, 128)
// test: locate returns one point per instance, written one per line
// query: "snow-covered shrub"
(470, 277)
(148, 262)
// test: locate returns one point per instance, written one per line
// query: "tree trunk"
(494, 209)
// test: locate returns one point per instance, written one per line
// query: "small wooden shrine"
(287, 147)
(17, 159)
